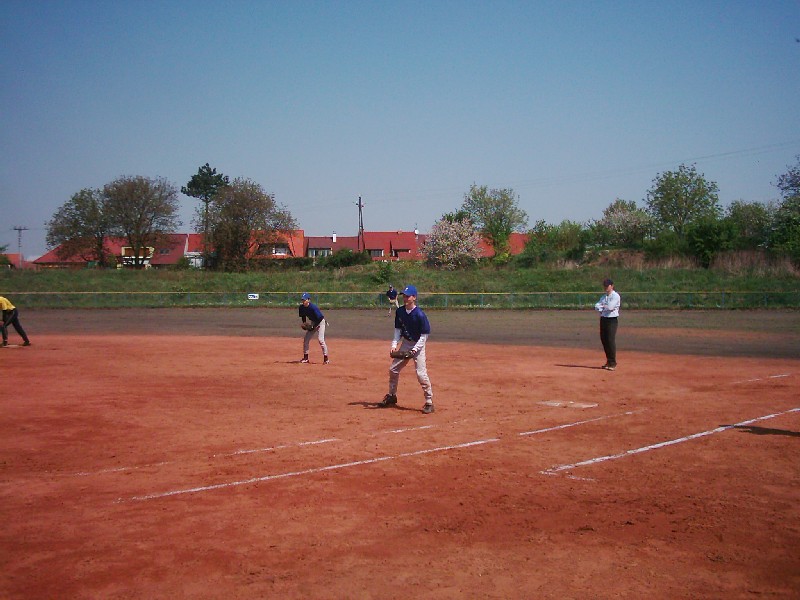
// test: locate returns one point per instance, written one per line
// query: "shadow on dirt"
(766, 431)
(372, 405)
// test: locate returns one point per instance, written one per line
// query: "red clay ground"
(186, 454)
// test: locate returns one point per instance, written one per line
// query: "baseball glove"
(308, 326)
(401, 354)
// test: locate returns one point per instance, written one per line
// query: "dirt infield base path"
(152, 456)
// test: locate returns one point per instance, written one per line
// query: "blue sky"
(570, 104)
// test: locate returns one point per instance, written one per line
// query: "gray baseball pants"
(422, 371)
(320, 331)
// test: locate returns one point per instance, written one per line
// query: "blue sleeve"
(425, 326)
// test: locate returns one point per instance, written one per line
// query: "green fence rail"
(487, 300)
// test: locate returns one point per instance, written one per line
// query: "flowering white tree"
(452, 244)
(623, 225)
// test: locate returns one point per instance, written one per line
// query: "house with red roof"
(516, 244)
(319, 246)
(380, 245)
(17, 261)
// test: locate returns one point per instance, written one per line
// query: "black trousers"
(12, 318)
(608, 336)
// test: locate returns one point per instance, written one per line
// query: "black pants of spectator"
(608, 335)
(11, 317)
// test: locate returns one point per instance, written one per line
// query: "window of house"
(314, 252)
(376, 253)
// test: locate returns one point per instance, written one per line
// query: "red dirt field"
(186, 453)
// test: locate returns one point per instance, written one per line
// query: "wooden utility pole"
(361, 244)
(19, 231)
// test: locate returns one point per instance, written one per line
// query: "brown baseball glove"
(401, 354)
(308, 326)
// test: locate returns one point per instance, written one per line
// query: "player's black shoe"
(428, 408)
(28, 343)
(305, 360)
(388, 400)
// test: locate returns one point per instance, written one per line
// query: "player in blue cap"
(411, 331)
(312, 321)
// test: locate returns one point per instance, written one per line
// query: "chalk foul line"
(576, 423)
(779, 376)
(556, 469)
(357, 463)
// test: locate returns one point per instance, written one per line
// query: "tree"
(708, 236)
(680, 197)
(496, 214)
(452, 244)
(751, 222)
(142, 210)
(80, 226)
(623, 225)
(204, 185)
(786, 228)
(549, 243)
(242, 217)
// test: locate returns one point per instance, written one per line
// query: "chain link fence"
(487, 300)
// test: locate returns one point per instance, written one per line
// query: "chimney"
(416, 232)
(334, 237)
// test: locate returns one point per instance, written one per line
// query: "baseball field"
(186, 453)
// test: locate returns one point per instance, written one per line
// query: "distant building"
(16, 261)
(381, 246)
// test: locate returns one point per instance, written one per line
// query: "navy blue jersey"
(311, 312)
(391, 294)
(411, 325)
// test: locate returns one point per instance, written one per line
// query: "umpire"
(11, 317)
(608, 307)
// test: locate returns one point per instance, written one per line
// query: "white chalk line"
(241, 452)
(762, 378)
(694, 436)
(369, 460)
(576, 423)
(357, 463)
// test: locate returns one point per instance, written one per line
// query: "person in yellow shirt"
(11, 317)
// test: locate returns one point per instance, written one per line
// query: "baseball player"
(316, 323)
(391, 294)
(411, 331)
(608, 307)
(11, 317)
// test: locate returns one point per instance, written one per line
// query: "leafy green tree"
(496, 214)
(751, 222)
(550, 243)
(624, 225)
(786, 229)
(452, 244)
(242, 218)
(677, 198)
(204, 185)
(4, 262)
(80, 226)
(455, 216)
(345, 258)
(142, 210)
(708, 236)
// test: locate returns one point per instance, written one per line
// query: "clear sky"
(569, 103)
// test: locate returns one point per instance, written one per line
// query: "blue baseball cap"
(410, 290)
(306, 296)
